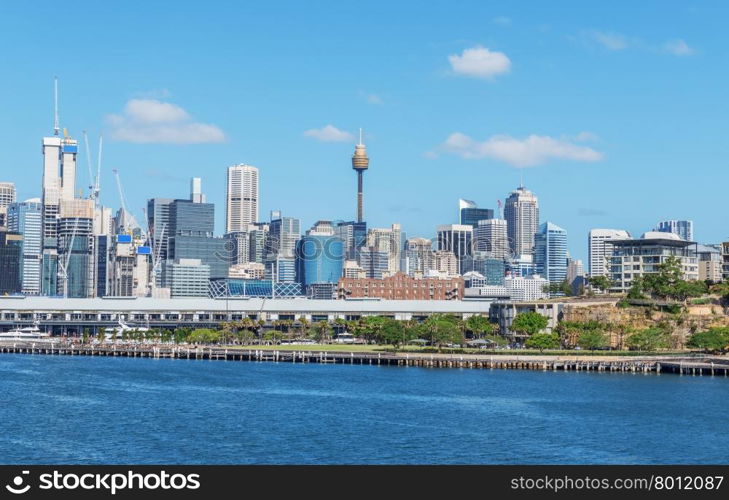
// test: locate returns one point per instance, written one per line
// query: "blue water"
(120, 410)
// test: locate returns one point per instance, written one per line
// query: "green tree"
(668, 282)
(529, 323)
(600, 282)
(479, 325)
(322, 331)
(442, 329)
(394, 332)
(593, 339)
(371, 327)
(543, 341)
(649, 339)
(712, 340)
(204, 336)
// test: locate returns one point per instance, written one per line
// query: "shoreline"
(711, 366)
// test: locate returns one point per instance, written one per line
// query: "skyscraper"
(458, 239)
(319, 257)
(550, 252)
(419, 257)
(388, 241)
(158, 220)
(492, 236)
(11, 258)
(684, 229)
(470, 214)
(522, 217)
(360, 163)
(283, 233)
(26, 218)
(196, 194)
(75, 249)
(7, 196)
(241, 203)
(600, 250)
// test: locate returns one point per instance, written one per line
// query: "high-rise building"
(709, 263)
(192, 219)
(283, 233)
(26, 218)
(725, 260)
(76, 249)
(7, 196)
(491, 236)
(445, 262)
(470, 214)
(684, 229)
(186, 277)
(521, 212)
(196, 194)
(319, 258)
(575, 269)
(374, 262)
(550, 252)
(241, 203)
(360, 163)
(600, 249)
(11, 262)
(418, 257)
(388, 241)
(633, 258)
(158, 220)
(456, 238)
(354, 236)
(258, 238)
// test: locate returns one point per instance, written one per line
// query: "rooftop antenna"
(56, 127)
(360, 136)
(521, 180)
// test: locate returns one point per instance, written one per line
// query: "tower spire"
(56, 126)
(360, 163)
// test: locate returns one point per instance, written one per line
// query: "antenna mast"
(56, 126)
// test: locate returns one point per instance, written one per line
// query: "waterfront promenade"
(683, 365)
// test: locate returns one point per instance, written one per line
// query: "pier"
(700, 366)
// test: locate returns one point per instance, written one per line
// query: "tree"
(204, 336)
(649, 339)
(722, 290)
(593, 339)
(442, 329)
(668, 282)
(394, 332)
(600, 282)
(479, 325)
(322, 331)
(529, 323)
(543, 341)
(712, 340)
(371, 326)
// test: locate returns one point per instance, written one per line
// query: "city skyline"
(627, 147)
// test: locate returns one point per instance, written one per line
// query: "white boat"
(30, 334)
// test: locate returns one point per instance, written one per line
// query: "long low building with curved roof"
(74, 315)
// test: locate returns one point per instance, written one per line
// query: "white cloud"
(502, 20)
(329, 133)
(480, 62)
(586, 137)
(678, 48)
(153, 121)
(374, 99)
(529, 152)
(609, 40)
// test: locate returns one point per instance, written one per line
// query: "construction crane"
(132, 224)
(94, 181)
(63, 265)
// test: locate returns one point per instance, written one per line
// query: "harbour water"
(99, 410)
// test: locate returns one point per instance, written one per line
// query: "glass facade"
(550, 245)
(213, 252)
(471, 216)
(319, 259)
(11, 262)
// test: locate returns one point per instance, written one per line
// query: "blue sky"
(615, 115)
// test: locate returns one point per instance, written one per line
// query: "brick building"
(402, 287)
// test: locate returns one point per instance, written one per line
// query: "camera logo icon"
(17, 487)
